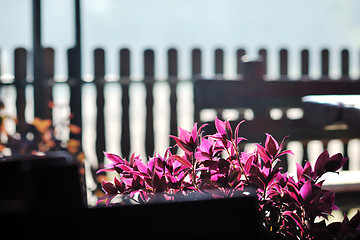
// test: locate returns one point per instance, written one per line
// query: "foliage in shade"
(290, 207)
(39, 138)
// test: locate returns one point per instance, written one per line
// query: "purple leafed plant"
(291, 208)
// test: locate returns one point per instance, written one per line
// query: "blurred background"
(207, 24)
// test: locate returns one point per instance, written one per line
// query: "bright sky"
(185, 24)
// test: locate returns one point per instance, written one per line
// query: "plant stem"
(238, 158)
(194, 173)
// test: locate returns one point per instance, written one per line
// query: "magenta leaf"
(295, 217)
(109, 188)
(320, 163)
(271, 145)
(181, 160)
(114, 158)
(306, 190)
(335, 163)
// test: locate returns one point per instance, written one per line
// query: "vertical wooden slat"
(38, 60)
(173, 80)
(346, 154)
(99, 74)
(345, 64)
(149, 72)
(125, 101)
(305, 63)
(325, 64)
(196, 73)
(263, 58)
(48, 81)
(219, 62)
(75, 83)
(20, 66)
(283, 63)
(239, 61)
(219, 72)
(196, 62)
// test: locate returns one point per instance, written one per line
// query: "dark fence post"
(20, 66)
(219, 63)
(48, 82)
(263, 58)
(149, 73)
(75, 82)
(284, 64)
(305, 64)
(324, 64)
(173, 80)
(196, 73)
(38, 61)
(99, 74)
(125, 101)
(74, 69)
(239, 65)
(345, 64)
(196, 63)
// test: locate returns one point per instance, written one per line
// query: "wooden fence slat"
(219, 62)
(125, 101)
(239, 61)
(305, 63)
(75, 83)
(325, 55)
(263, 58)
(345, 64)
(149, 72)
(196, 62)
(283, 63)
(20, 67)
(99, 74)
(48, 81)
(173, 80)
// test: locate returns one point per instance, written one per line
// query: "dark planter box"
(41, 197)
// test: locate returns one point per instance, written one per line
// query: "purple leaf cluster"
(290, 207)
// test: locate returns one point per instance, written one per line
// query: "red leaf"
(109, 188)
(181, 160)
(271, 145)
(320, 163)
(295, 217)
(119, 186)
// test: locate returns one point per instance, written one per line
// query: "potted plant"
(290, 207)
(34, 146)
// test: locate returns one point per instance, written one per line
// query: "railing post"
(283, 64)
(239, 61)
(149, 80)
(345, 64)
(173, 80)
(38, 60)
(325, 64)
(48, 82)
(20, 66)
(125, 101)
(263, 58)
(196, 73)
(305, 64)
(99, 74)
(219, 63)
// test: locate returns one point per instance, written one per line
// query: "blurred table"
(324, 110)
